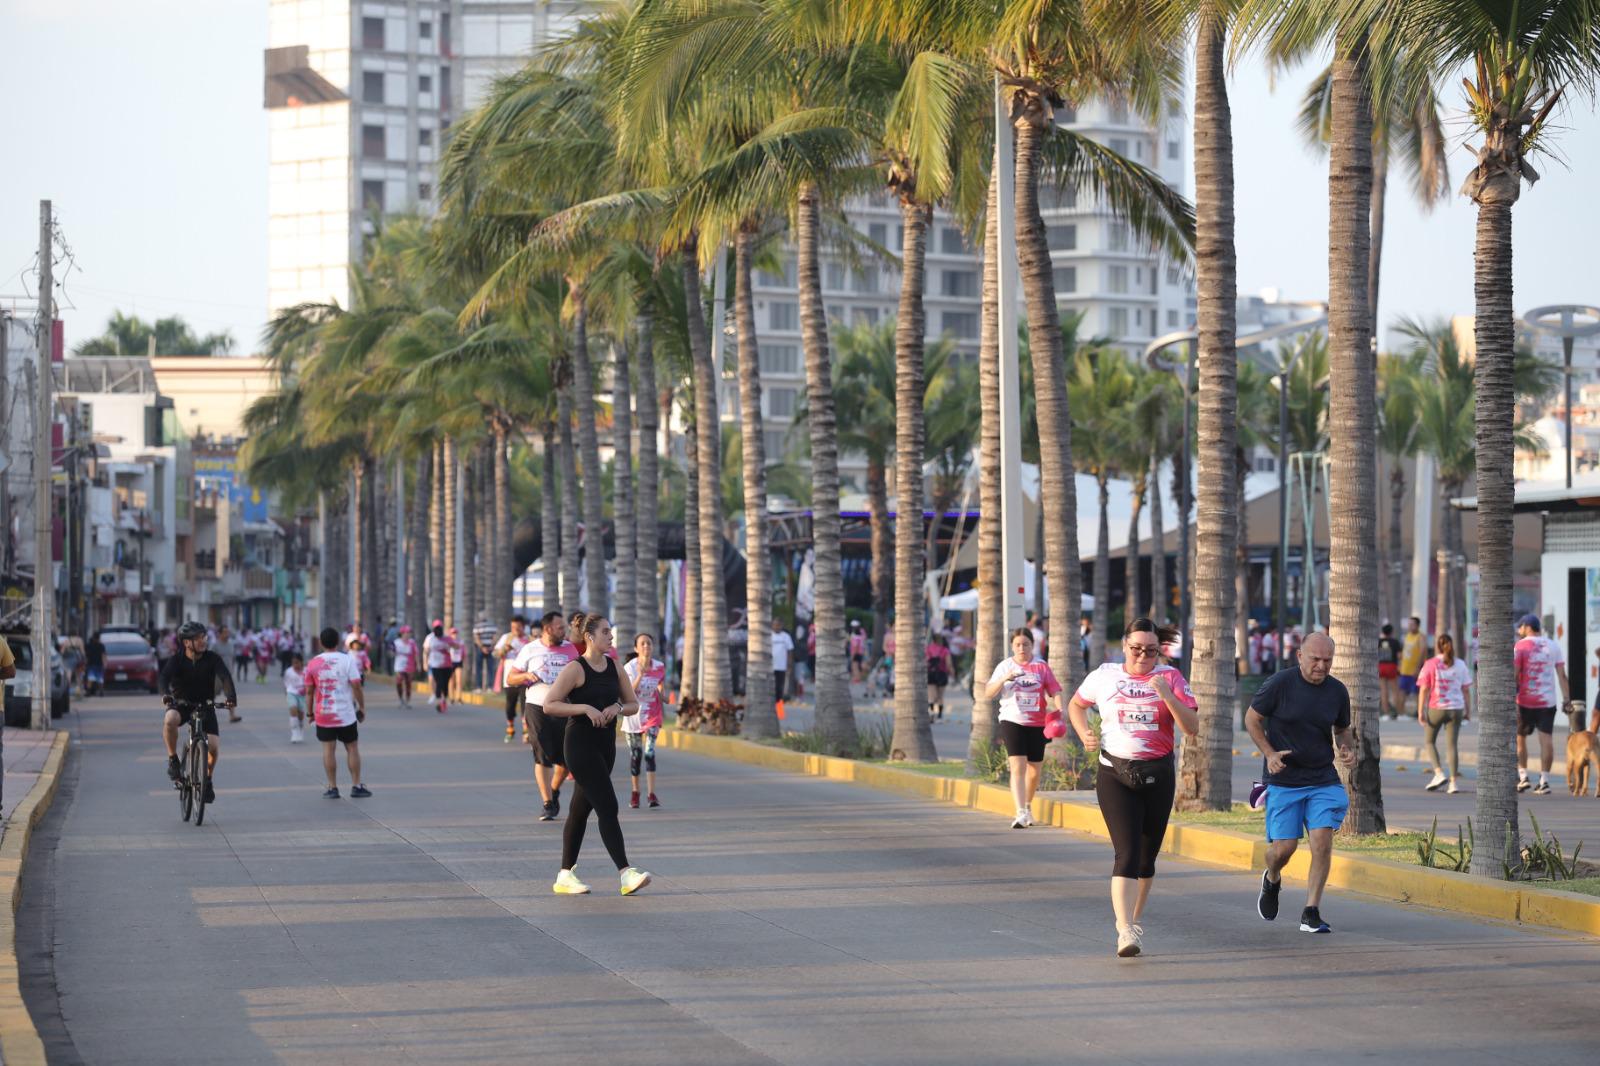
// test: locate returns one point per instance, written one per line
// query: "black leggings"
(513, 703)
(1137, 820)
(591, 753)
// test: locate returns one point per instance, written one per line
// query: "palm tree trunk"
(693, 630)
(647, 611)
(371, 570)
(1102, 574)
(1206, 769)
(1397, 502)
(1160, 591)
(913, 731)
(358, 511)
(571, 578)
(505, 527)
(436, 523)
(1352, 430)
(714, 678)
(989, 634)
(760, 710)
(594, 501)
(626, 622)
(471, 515)
(550, 523)
(1041, 563)
(452, 533)
(1378, 202)
(1241, 570)
(835, 714)
(1058, 490)
(417, 554)
(882, 545)
(1133, 557)
(1498, 832)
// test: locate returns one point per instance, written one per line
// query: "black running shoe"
(1267, 902)
(211, 793)
(360, 792)
(1311, 922)
(549, 814)
(174, 767)
(555, 804)
(331, 794)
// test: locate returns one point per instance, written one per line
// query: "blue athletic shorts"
(1291, 811)
(1408, 684)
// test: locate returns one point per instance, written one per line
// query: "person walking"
(94, 670)
(1391, 703)
(405, 664)
(294, 690)
(1413, 650)
(1295, 719)
(436, 649)
(641, 729)
(939, 671)
(338, 706)
(537, 666)
(484, 636)
(782, 652)
(591, 692)
(1028, 691)
(458, 657)
(1444, 700)
(505, 653)
(1140, 700)
(857, 648)
(1537, 659)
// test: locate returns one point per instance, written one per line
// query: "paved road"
(793, 920)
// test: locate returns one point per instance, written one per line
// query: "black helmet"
(191, 630)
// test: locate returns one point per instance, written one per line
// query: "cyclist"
(191, 677)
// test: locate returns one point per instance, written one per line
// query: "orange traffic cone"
(780, 711)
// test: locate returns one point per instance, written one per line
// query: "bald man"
(1296, 718)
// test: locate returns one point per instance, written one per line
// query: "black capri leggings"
(1136, 819)
(513, 703)
(591, 753)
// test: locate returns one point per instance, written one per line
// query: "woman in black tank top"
(591, 692)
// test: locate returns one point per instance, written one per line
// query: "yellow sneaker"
(633, 879)
(567, 884)
(510, 732)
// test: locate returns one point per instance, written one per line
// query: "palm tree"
(1102, 393)
(989, 637)
(1397, 442)
(626, 622)
(761, 719)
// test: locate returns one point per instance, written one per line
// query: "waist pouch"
(1138, 774)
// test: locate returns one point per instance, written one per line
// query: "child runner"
(405, 662)
(641, 729)
(437, 650)
(294, 687)
(358, 652)
(264, 648)
(1026, 686)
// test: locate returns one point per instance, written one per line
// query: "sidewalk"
(25, 752)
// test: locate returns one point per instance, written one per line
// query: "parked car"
(130, 661)
(19, 690)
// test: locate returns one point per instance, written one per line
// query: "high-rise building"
(360, 94)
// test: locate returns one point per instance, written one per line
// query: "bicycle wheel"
(185, 791)
(198, 775)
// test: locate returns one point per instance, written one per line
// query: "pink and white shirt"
(329, 677)
(544, 664)
(1027, 686)
(437, 649)
(1134, 720)
(405, 655)
(647, 690)
(1446, 685)
(1538, 658)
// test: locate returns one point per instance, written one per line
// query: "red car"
(130, 662)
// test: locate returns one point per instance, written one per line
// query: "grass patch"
(1589, 886)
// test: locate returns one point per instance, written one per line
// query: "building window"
(1172, 275)
(878, 232)
(962, 283)
(782, 279)
(1066, 279)
(1117, 237)
(1172, 318)
(1119, 112)
(424, 190)
(425, 83)
(1117, 321)
(1172, 149)
(962, 325)
(833, 277)
(783, 314)
(425, 30)
(779, 359)
(864, 280)
(373, 145)
(1138, 317)
(1119, 145)
(425, 137)
(776, 441)
(1062, 238)
(863, 316)
(1152, 322)
(1060, 197)
(372, 196)
(950, 242)
(372, 34)
(1117, 279)
(372, 86)
(780, 402)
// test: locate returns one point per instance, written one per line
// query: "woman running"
(1444, 701)
(436, 647)
(591, 692)
(646, 674)
(939, 670)
(265, 649)
(1025, 686)
(405, 662)
(1139, 701)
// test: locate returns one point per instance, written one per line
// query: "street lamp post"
(1562, 320)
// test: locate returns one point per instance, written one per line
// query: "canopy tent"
(968, 600)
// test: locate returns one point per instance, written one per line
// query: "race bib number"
(552, 668)
(1138, 720)
(645, 689)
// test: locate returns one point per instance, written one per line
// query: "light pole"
(1562, 320)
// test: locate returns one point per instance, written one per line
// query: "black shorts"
(1023, 740)
(208, 720)
(549, 735)
(441, 681)
(938, 678)
(1529, 719)
(344, 734)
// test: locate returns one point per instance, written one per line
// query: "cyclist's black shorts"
(344, 734)
(208, 719)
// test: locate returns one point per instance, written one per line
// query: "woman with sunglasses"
(1140, 701)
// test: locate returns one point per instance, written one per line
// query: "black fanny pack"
(1138, 774)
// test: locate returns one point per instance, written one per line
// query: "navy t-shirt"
(1300, 719)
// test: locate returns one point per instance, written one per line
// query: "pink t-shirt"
(1538, 657)
(858, 643)
(328, 679)
(1026, 688)
(647, 689)
(405, 655)
(1134, 720)
(1447, 685)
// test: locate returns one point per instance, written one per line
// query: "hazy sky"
(143, 122)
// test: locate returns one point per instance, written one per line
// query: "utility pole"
(1011, 554)
(43, 589)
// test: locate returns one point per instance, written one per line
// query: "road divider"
(19, 1038)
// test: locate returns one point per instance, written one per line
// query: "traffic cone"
(780, 711)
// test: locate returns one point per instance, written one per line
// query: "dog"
(1583, 751)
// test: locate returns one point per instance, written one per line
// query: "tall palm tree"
(647, 610)
(989, 636)
(761, 719)
(1102, 392)
(1397, 443)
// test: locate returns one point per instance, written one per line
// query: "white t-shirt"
(437, 649)
(294, 682)
(329, 677)
(509, 645)
(1447, 684)
(544, 664)
(782, 647)
(1134, 720)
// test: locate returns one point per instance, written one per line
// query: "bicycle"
(194, 767)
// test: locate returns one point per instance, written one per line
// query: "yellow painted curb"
(1404, 883)
(19, 1040)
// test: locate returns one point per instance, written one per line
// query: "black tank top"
(600, 688)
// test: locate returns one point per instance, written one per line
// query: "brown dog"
(1583, 750)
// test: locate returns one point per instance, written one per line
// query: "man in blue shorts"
(1295, 720)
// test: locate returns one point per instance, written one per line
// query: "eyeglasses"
(1144, 650)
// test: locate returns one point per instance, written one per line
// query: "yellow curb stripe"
(19, 1040)
(1403, 883)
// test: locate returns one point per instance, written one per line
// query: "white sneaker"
(1439, 778)
(633, 879)
(1454, 787)
(296, 735)
(1129, 942)
(1022, 820)
(567, 884)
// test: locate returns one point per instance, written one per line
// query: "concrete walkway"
(24, 754)
(793, 920)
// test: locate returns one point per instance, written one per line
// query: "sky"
(153, 149)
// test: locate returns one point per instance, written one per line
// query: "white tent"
(968, 600)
